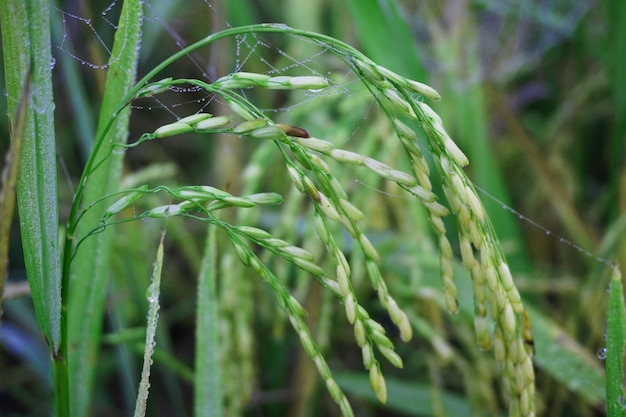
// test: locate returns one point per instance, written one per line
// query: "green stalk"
(27, 52)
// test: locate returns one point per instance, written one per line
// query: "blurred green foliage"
(531, 91)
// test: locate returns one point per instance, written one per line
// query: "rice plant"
(257, 268)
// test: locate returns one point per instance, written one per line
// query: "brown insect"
(294, 131)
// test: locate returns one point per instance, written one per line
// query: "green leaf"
(27, 53)
(90, 267)
(26, 48)
(615, 342)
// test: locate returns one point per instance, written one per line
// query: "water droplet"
(150, 294)
(602, 354)
(548, 233)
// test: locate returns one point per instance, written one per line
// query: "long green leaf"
(90, 269)
(26, 43)
(26, 48)
(615, 342)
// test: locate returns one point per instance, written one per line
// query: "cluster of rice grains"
(481, 254)
(331, 204)
(400, 98)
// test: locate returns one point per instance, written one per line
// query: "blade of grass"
(25, 41)
(27, 49)
(154, 292)
(90, 267)
(615, 342)
(207, 376)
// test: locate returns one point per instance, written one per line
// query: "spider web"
(265, 54)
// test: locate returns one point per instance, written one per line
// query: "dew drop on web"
(602, 354)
